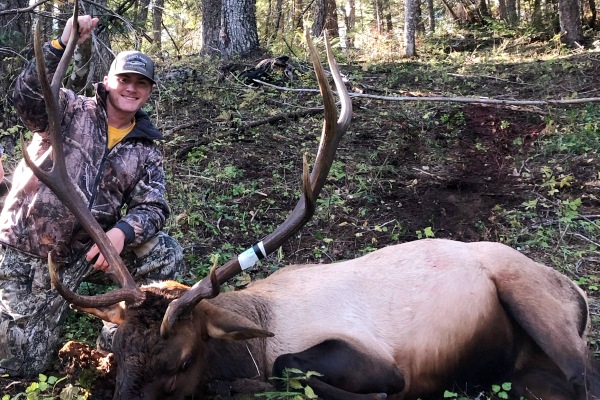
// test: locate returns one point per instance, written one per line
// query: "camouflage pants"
(31, 312)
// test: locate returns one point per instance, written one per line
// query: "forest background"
(473, 120)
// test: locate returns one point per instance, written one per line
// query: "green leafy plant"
(48, 388)
(502, 390)
(81, 326)
(497, 392)
(294, 386)
(453, 395)
(425, 233)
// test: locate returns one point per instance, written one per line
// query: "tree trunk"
(484, 11)
(239, 34)
(331, 22)
(511, 12)
(278, 18)
(551, 14)
(211, 27)
(536, 16)
(378, 9)
(410, 27)
(349, 22)
(431, 16)
(299, 13)
(593, 14)
(270, 17)
(142, 15)
(325, 18)
(157, 16)
(502, 10)
(419, 18)
(448, 8)
(229, 27)
(385, 7)
(570, 22)
(320, 16)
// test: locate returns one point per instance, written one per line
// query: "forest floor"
(525, 175)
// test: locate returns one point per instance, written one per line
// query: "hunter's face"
(127, 93)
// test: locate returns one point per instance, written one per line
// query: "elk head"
(157, 309)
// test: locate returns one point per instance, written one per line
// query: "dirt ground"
(452, 176)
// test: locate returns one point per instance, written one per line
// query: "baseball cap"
(133, 62)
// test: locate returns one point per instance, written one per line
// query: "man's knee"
(27, 349)
(11, 346)
(160, 258)
(30, 315)
(172, 247)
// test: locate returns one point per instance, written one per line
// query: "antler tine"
(100, 300)
(332, 134)
(328, 146)
(333, 131)
(58, 180)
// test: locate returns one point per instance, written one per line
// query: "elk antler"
(302, 213)
(58, 180)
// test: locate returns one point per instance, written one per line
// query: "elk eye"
(186, 364)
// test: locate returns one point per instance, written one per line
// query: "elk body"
(409, 320)
(406, 322)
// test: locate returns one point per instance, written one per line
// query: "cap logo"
(136, 62)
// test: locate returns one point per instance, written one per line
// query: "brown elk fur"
(409, 320)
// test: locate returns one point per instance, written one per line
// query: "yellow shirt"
(56, 45)
(115, 134)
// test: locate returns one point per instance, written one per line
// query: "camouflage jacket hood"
(123, 186)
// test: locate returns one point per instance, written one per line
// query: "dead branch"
(589, 218)
(472, 100)
(585, 238)
(281, 117)
(490, 77)
(168, 130)
(114, 15)
(162, 22)
(252, 124)
(183, 152)
(24, 9)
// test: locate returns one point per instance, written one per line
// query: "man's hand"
(117, 238)
(86, 26)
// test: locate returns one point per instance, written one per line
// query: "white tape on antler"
(251, 256)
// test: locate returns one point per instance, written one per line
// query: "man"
(112, 156)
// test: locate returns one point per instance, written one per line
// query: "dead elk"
(409, 320)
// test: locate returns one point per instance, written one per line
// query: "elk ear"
(228, 325)
(114, 313)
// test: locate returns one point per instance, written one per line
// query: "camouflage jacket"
(123, 186)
